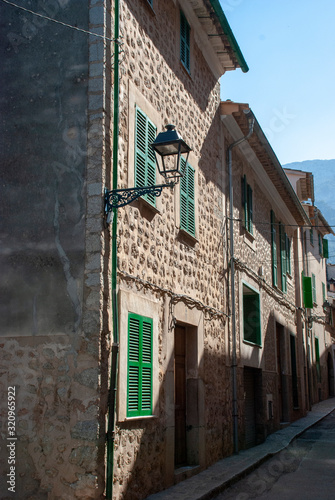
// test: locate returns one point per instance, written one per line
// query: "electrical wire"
(186, 298)
(278, 223)
(58, 22)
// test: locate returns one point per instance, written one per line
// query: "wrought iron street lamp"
(167, 144)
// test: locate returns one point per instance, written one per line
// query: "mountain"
(324, 190)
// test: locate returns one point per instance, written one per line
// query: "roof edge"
(231, 107)
(230, 35)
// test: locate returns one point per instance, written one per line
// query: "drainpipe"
(251, 121)
(115, 344)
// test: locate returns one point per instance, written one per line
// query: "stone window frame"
(130, 302)
(137, 99)
(255, 291)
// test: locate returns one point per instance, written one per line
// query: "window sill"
(185, 70)
(252, 344)
(187, 238)
(147, 210)
(132, 419)
(249, 239)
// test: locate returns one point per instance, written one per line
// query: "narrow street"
(305, 470)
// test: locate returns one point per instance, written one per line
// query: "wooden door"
(180, 396)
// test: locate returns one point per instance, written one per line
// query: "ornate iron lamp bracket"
(120, 197)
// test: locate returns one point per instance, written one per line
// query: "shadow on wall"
(146, 455)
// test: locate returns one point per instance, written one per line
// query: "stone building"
(117, 330)
(266, 217)
(171, 256)
(71, 115)
(318, 336)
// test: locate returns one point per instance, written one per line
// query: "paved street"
(305, 470)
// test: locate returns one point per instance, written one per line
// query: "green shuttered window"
(247, 203)
(283, 253)
(325, 248)
(307, 291)
(251, 316)
(139, 401)
(324, 296)
(274, 249)
(314, 288)
(184, 41)
(187, 198)
(145, 162)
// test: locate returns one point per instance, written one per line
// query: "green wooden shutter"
(133, 365)
(245, 201)
(325, 248)
(320, 245)
(313, 288)
(250, 226)
(323, 293)
(187, 199)
(274, 250)
(288, 254)
(146, 367)
(184, 41)
(139, 401)
(145, 163)
(307, 291)
(282, 241)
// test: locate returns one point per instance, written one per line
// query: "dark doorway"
(279, 345)
(249, 407)
(295, 393)
(180, 396)
(253, 407)
(330, 367)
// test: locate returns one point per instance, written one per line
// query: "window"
(313, 288)
(139, 386)
(307, 291)
(311, 236)
(184, 41)
(274, 249)
(288, 254)
(145, 162)
(325, 248)
(247, 205)
(324, 298)
(320, 245)
(283, 255)
(187, 198)
(251, 316)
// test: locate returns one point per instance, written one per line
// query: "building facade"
(317, 315)
(133, 364)
(266, 217)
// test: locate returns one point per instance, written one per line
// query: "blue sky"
(289, 47)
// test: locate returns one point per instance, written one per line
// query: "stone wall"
(52, 255)
(156, 259)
